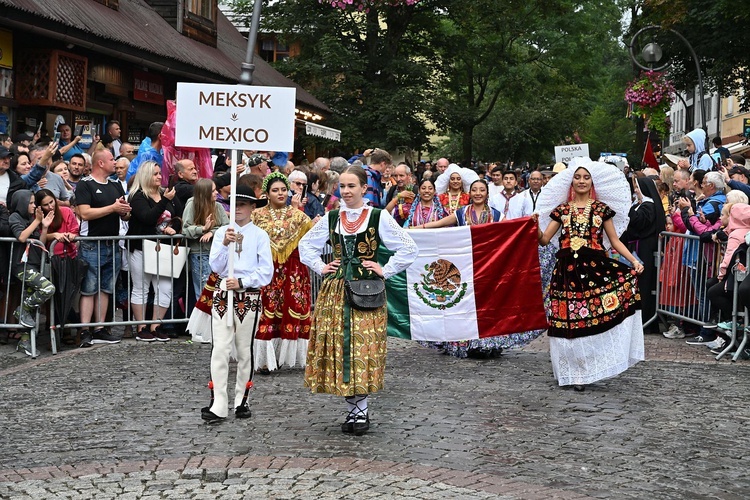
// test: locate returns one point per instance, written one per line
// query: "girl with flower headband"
(284, 327)
(594, 318)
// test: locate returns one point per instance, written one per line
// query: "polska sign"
(235, 117)
(563, 154)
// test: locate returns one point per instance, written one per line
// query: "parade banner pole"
(232, 245)
(235, 117)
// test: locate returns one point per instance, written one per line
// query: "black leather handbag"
(365, 295)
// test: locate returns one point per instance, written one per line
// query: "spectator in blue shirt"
(149, 150)
(379, 160)
(69, 144)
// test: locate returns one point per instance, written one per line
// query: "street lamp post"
(246, 77)
(652, 54)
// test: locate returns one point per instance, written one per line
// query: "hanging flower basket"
(365, 5)
(650, 97)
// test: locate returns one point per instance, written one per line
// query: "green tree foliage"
(717, 31)
(559, 76)
(371, 68)
(505, 79)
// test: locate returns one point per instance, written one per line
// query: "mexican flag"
(468, 282)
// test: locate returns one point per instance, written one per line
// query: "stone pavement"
(122, 421)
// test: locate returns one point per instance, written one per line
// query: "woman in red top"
(64, 228)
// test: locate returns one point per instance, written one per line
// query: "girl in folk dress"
(347, 350)
(595, 325)
(453, 187)
(284, 327)
(428, 207)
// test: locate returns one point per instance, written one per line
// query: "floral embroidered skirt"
(590, 294)
(325, 355)
(286, 302)
(199, 324)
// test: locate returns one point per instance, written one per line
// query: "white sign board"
(566, 153)
(235, 117)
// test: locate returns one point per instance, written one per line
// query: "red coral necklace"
(353, 227)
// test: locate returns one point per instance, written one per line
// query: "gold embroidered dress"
(284, 326)
(353, 364)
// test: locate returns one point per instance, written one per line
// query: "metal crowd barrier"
(690, 264)
(738, 275)
(128, 319)
(12, 243)
(683, 266)
(124, 243)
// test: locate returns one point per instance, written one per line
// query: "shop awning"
(738, 148)
(321, 131)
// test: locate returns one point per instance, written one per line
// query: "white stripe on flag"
(457, 319)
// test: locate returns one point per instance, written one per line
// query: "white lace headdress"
(467, 177)
(611, 188)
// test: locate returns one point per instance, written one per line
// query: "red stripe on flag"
(507, 282)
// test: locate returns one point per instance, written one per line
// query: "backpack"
(714, 163)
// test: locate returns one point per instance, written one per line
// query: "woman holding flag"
(347, 347)
(479, 212)
(428, 207)
(594, 323)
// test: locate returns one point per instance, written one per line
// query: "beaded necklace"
(482, 218)
(422, 214)
(579, 224)
(353, 226)
(453, 203)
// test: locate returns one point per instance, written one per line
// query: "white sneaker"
(719, 343)
(674, 332)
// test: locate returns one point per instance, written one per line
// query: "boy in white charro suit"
(253, 268)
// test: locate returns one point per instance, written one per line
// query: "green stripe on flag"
(398, 301)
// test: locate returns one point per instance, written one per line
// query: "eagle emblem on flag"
(441, 285)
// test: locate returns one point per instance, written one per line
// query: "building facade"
(92, 61)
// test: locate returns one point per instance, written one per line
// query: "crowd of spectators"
(57, 191)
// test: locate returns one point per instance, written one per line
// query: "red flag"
(648, 155)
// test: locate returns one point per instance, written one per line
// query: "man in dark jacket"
(187, 176)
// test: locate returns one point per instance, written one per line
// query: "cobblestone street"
(123, 421)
